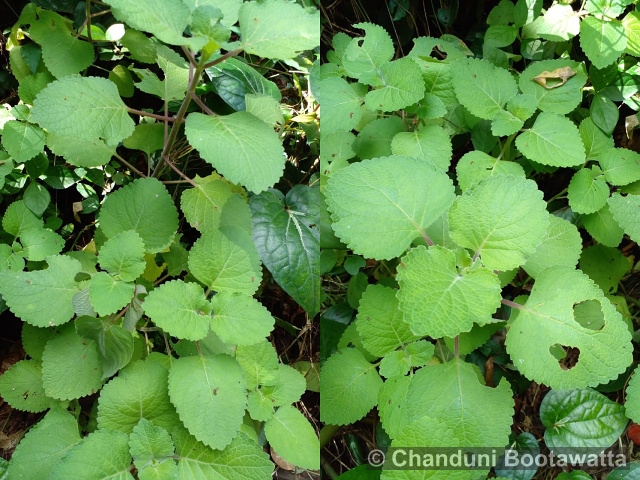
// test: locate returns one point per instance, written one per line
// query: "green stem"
(131, 167)
(328, 469)
(89, 21)
(507, 143)
(327, 433)
(511, 304)
(179, 118)
(557, 195)
(221, 59)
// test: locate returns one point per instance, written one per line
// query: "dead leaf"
(555, 78)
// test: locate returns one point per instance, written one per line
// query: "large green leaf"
(123, 256)
(380, 206)
(554, 320)
(83, 107)
(278, 29)
(42, 297)
(145, 207)
(552, 140)
(341, 109)
(620, 166)
(364, 55)
(293, 438)
(502, 218)
(209, 393)
(451, 298)
(240, 146)
(603, 41)
(239, 319)
(431, 144)
(588, 190)
(286, 234)
(561, 245)
(401, 86)
(560, 99)
(81, 152)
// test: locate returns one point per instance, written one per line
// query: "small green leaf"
(148, 137)
(40, 243)
(603, 227)
(552, 140)
(18, 218)
(21, 387)
(431, 144)
(620, 166)
(145, 207)
(350, 387)
(240, 146)
(70, 365)
(107, 294)
(226, 259)
(476, 165)
(21, 140)
(603, 41)
(123, 256)
(176, 76)
(450, 299)
(581, 418)
(45, 445)
(209, 393)
(375, 139)
(401, 86)
(42, 297)
(595, 140)
(561, 245)
(604, 113)
(625, 213)
(139, 391)
(259, 363)
(398, 196)
(631, 25)
(151, 446)
(83, 107)
(287, 237)
(502, 218)
(37, 198)
(588, 191)
(481, 87)
(293, 438)
(115, 344)
(278, 29)
(364, 55)
(239, 319)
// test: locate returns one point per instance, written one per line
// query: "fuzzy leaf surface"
(380, 206)
(476, 165)
(625, 213)
(620, 166)
(603, 41)
(152, 448)
(502, 218)
(81, 152)
(341, 110)
(588, 191)
(108, 295)
(239, 319)
(549, 317)
(365, 54)
(21, 140)
(292, 436)
(402, 85)
(431, 144)
(21, 387)
(123, 256)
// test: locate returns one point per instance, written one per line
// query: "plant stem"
(177, 170)
(202, 105)
(153, 115)
(328, 469)
(230, 54)
(88, 21)
(131, 167)
(557, 195)
(507, 143)
(511, 304)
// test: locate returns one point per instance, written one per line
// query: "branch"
(162, 118)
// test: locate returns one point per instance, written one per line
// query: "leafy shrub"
(433, 169)
(156, 316)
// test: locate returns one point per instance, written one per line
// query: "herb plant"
(431, 172)
(155, 317)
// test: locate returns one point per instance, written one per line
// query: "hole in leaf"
(589, 314)
(567, 356)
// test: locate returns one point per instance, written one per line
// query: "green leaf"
(625, 213)
(209, 393)
(477, 415)
(632, 402)
(21, 387)
(226, 259)
(259, 363)
(265, 107)
(561, 245)
(482, 88)
(115, 344)
(476, 165)
(233, 79)
(176, 77)
(561, 99)
(501, 218)
(603, 227)
(287, 237)
(293, 438)
(278, 29)
(581, 419)
(350, 387)
(505, 123)
(604, 113)
(70, 365)
(45, 445)
(109, 454)
(240, 146)
(606, 266)
(290, 386)
(139, 391)
(22, 141)
(81, 152)
(239, 319)
(36, 198)
(123, 256)
(63, 53)
(588, 191)
(109, 295)
(242, 458)
(401, 86)
(603, 41)
(180, 309)
(430, 144)
(379, 321)
(34, 340)
(380, 206)
(145, 207)
(450, 299)
(631, 25)
(42, 297)
(624, 472)
(375, 139)
(166, 21)
(620, 166)
(400, 362)
(83, 107)
(595, 140)
(560, 22)
(19, 219)
(550, 319)
(341, 109)
(364, 55)
(152, 450)
(121, 76)
(552, 140)
(148, 137)
(40, 243)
